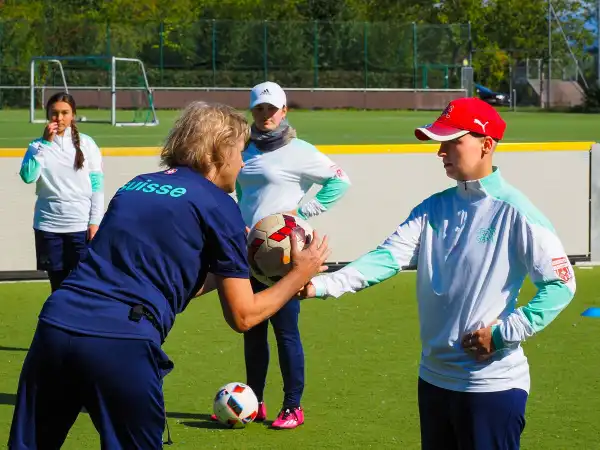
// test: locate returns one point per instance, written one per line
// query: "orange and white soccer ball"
(269, 245)
(235, 405)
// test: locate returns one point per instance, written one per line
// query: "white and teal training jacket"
(276, 181)
(68, 200)
(473, 245)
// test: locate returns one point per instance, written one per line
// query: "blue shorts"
(117, 381)
(59, 251)
(452, 420)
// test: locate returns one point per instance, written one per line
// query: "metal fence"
(215, 53)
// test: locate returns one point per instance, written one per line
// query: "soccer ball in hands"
(235, 405)
(269, 246)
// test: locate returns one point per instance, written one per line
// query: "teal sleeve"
(368, 270)
(30, 169)
(238, 191)
(97, 179)
(331, 192)
(499, 343)
(551, 298)
(399, 251)
(301, 214)
(97, 207)
(376, 266)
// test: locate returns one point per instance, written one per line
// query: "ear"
(488, 145)
(284, 109)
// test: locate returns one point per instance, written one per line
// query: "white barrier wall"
(387, 181)
(595, 204)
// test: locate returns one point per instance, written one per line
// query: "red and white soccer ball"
(269, 246)
(235, 405)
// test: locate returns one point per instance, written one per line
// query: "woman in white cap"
(279, 170)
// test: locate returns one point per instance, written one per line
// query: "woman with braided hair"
(67, 168)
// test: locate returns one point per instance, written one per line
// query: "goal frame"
(113, 87)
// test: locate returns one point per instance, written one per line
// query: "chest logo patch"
(485, 235)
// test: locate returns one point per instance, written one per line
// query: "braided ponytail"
(79, 158)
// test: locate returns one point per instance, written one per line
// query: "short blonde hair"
(202, 136)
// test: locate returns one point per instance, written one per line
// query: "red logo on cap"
(465, 114)
(448, 110)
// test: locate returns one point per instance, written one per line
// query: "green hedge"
(223, 78)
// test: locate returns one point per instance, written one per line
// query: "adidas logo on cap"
(268, 92)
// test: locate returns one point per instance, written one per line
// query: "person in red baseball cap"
(469, 130)
(473, 246)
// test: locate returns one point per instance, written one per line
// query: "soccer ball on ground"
(269, 246)
(235, 405)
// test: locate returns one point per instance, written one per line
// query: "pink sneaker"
(289, 418)
(261, 415)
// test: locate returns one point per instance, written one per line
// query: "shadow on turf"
(204, 421)
(10, 399)
(7, 399)
(201, 421)
(13, 349)
(183, 415)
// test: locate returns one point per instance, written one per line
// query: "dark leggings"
(57, 277)
(289, 347)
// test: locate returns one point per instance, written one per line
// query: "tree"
(347, 39)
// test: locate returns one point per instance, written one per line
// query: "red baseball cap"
(462, 116)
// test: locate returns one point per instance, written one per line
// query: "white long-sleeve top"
(68, 200)
(473, 245)
(276, 181)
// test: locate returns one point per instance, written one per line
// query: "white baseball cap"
(267, 92)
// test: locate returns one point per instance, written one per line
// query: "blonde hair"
(203, 136)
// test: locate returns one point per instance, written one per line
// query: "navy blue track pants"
(289, 347)
(453, 420)
(118, 382)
